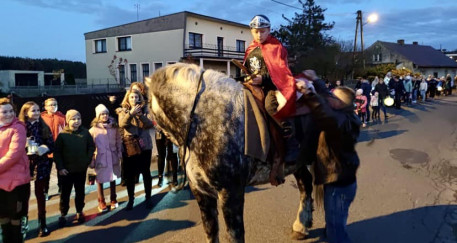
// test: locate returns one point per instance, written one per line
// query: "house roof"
(165, 22)
(422, 56)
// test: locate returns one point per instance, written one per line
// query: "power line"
(290, 6)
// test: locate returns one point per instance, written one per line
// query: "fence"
(53, 90)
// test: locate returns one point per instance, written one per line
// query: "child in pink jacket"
(361, 106)
(14, 173)
(107, 155)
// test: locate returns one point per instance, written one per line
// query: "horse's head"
(172, 90)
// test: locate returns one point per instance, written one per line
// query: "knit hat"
(99, 109)
(70, 114)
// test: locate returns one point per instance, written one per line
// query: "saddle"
(263, 138)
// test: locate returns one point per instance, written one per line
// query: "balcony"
(212, 51)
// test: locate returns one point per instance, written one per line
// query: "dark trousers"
(397, 101)
(76, 179)
(14, 205)
(407, 98)
(101, 194)
(375, 114)
(133, 166)
(40, 190)
(165, 150)
(46, 189)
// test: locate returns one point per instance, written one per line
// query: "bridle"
(191, 117)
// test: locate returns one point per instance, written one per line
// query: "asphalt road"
(407, 192)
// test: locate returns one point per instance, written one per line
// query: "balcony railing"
(56, 90)
(211, 50)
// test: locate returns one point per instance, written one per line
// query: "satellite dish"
(388, 101)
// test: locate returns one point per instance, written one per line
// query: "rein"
(191, 117)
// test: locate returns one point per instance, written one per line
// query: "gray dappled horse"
(215, 163)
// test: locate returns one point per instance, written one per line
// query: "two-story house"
(131, 52)
(418, 58)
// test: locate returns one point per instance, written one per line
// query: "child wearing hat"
(74, 149)
(108, 153)
(266, 59)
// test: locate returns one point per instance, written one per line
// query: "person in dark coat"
(340, 129)
(432, 84)
(383, 91)
(399, 89)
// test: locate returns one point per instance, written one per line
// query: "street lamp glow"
(372, 18)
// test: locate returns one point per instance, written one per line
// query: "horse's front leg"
(208, 210)
(232, 201)
(304, 219)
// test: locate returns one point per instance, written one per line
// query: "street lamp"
(371, 19)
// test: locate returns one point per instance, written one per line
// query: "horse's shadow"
(134, 232)
(426, 224)
(411, 116)
(161, 201)
(371, 134)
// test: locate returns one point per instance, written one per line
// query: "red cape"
(275, 56)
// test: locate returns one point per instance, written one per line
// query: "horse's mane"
(174, 88)
(183, 75)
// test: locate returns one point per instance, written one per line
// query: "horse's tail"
(318, 191)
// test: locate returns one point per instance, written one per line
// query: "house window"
(100, 46)
(145, 68)
(157, 65)
(124, 43)
(133, 77)
(240, 45)
(122, 75)
(195, 40)
(374, 57)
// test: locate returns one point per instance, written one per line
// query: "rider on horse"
(266, 59)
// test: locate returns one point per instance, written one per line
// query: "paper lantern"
(388, 101)
(440, 88)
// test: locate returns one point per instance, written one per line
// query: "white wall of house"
(8, 79)
(147, 48)
(211, 30)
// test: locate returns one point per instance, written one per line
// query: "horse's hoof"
(298, 236)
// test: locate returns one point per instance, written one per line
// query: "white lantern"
(388, 101)
(440, 88)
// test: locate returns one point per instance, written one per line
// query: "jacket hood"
(112, 122)
(14, 122)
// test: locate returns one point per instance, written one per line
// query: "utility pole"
(358, 23)
(137, 6)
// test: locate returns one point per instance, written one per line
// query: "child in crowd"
(374, 103)
(105, 132)
(14, 175)
(56, 122)
(39, 144)
(74, 149)
(361, 106)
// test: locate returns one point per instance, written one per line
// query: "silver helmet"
(259, 21)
